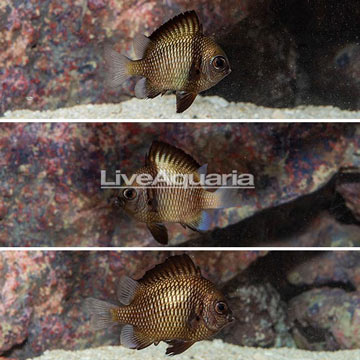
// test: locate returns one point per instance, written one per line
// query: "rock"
(351, 194)
(338, 68)
(32, 295)
(260, 313)
(321, 269)
(326, 319)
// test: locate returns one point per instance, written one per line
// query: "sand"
(203, 350)
(213, 107)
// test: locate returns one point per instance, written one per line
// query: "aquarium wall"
(305, 178)
(282, 53)
(180, 178)
(305, 300)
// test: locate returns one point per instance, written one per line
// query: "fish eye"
(220, 307)
(130, 194)
(219, 62)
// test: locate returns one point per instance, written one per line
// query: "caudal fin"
(227, 197)
(116, 66)
(100, 312)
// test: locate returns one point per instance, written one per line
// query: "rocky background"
(306, 182)
(308, 300)
(283, 52)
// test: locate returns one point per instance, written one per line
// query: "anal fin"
(178, 346)
(133, 339)
(145, 90)
(201, 223)
(159, 232)
(184, 100)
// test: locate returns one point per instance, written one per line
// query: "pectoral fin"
(184, 100)
(195, 318)
(159, 232)
(178, 347)
(152, 200)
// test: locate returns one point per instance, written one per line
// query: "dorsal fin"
(186, 23)
(162, 155)
(172, 267)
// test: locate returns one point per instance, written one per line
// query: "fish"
(158, 204)
(172, 302)
(175, 57)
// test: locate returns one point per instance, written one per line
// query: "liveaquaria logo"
(168, 180)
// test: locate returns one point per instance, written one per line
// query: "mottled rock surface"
(326, 319)
(261, 314)
(321, 292)
(351, 193)
(337, 267)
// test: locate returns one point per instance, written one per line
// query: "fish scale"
(185, 203)
(167, 67)
(167, 317)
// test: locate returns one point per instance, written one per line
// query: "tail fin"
(227, 197)
(116, 66)
(100, 311)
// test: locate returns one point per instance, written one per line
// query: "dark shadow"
(292, 53)
(279, 223)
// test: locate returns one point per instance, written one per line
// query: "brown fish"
(177, 56)
(171, 303)
(159, 203)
